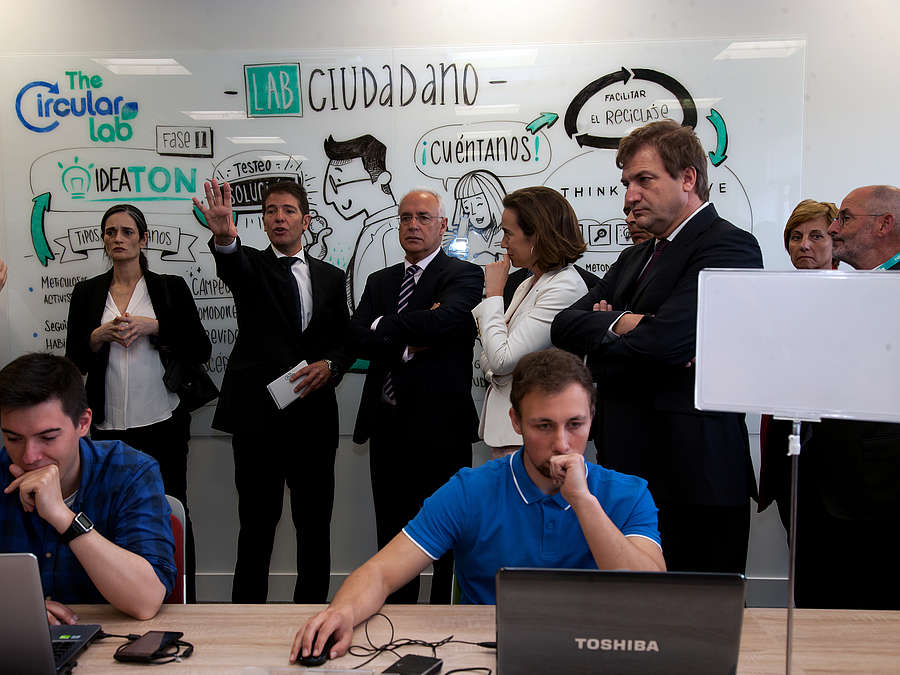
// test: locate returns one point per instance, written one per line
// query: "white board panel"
(800, 345)
(80, 133)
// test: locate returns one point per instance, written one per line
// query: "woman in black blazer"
(122, 325)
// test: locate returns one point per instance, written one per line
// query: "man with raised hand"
(290, 308)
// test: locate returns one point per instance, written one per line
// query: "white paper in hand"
(282, 389)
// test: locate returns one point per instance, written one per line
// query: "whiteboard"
(83, 131)
(800, 345)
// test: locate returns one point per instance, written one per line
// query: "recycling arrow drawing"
(667, 82)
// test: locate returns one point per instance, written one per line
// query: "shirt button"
(48, 555)
(550, 526)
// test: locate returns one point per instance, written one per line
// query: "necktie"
(407, 286)
(287, 262)
(660, 245)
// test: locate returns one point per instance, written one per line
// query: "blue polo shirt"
(495, 516)
(121, 491)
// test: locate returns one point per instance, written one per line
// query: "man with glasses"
(414, 323)
(866, 231)
(357, 181)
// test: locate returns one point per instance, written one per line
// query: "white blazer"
(506, 338)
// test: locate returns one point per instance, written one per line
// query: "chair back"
(178, 596)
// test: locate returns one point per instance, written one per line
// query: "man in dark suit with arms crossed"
(290, 307)
(637, 327)
(414, 323)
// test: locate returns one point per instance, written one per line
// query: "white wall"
(851, 96)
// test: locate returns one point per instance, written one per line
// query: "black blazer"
(270, 342)
(435, 386)
(180, 329)
(646, 422)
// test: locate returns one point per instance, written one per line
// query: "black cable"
(101, 635)
(373, 651)
(480, 669)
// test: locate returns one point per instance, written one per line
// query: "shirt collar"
(528, 491)
(675, 232)
(423, 263)
(299, 255)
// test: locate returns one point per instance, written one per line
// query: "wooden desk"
(255, 639)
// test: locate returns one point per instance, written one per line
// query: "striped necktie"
(657, 251)
(406, 289)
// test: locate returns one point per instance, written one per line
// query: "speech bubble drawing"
(503, 147)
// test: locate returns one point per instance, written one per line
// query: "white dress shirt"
(135, 393)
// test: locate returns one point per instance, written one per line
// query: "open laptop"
(29, 648)
(589, 621)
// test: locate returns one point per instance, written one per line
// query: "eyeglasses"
(843, 217)
(423, 218)
(339, 184)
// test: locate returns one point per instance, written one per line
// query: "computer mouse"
(322, 657)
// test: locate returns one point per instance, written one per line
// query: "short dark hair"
(38, 377)
(287, 187)
(678, 148)
(543, 213)
(549, 371)
(369, 149)
(140, 222)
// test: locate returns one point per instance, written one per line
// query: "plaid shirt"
(121, 491)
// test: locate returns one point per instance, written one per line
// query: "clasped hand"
(126, 329)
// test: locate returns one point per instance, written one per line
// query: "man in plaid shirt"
(94, 514)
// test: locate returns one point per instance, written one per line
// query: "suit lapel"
(671, 261)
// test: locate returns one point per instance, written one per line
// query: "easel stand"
(794, 454)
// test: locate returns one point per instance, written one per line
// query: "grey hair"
(442, 209)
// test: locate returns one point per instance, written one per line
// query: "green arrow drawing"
(38, 237)
(545, 120)
(718, 122)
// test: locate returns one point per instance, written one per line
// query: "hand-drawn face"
(348, 187)
(551, 425)
(518, 245)
(284, 222)
(810, 246)
(40, 435)
(655, 198)
(121, 239)
(478, 212)
(421, 228)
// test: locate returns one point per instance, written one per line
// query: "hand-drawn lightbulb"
(76, 179)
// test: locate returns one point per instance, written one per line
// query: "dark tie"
(660, 245)
(406, 289)
(287, 262)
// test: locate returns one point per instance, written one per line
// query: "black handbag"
(190, 381)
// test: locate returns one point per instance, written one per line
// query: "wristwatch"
(80, 525)
(330, 364)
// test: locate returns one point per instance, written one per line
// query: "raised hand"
(219, 214)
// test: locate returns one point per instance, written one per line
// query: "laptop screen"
(589, 621)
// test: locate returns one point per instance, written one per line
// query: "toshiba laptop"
(588, 621)
(29, 648)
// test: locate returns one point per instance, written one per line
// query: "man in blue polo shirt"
(543, 506)
(94, 514)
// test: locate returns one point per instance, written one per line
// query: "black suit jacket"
(180, 329)
(270, 341)
(435, 386)
(521, 274)
(646, 421)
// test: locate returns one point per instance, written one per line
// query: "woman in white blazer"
(541, 233)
